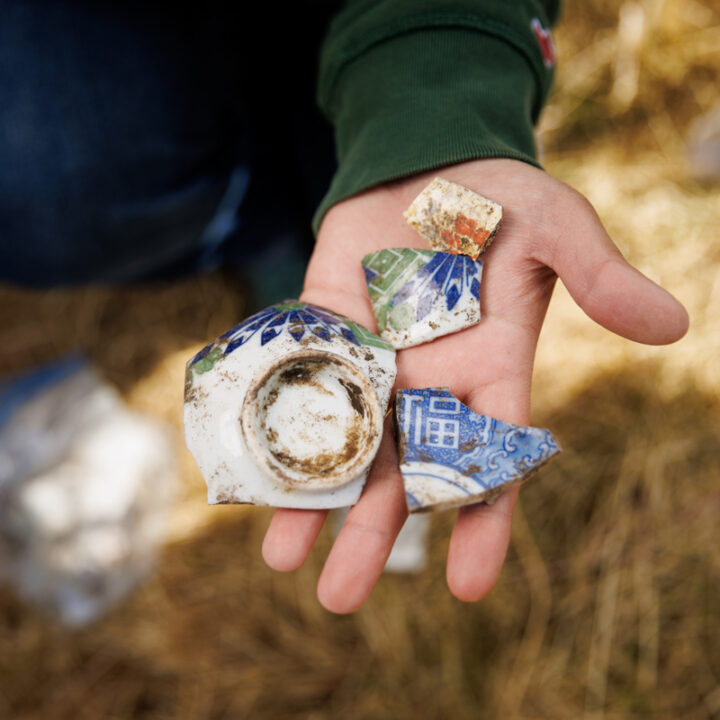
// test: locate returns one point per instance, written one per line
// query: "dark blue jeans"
(140, 141)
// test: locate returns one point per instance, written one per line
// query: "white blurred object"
(409, 553)
(703, 140)
(85, 485)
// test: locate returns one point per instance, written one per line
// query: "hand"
(548, 230)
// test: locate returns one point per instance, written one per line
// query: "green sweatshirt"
(412, 85)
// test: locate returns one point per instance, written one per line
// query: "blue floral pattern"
(447, 274)
(406, 285)
(297, 319)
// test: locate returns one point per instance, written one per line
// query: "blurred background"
(609, 602)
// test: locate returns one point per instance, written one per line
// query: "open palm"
(548, 230)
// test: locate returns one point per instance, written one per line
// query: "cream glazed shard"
(451, 456)
(454, 219)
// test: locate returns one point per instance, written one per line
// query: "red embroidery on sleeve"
(544, 39)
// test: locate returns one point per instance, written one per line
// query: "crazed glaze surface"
(451, 456)
(454, 219)
(418, 295)
(218, 379)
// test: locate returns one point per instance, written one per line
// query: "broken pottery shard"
(287, 408)
(419, 295)
(451, 456)
(454, 219)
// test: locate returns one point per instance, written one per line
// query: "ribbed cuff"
(426, 99)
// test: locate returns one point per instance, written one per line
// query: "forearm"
(412, 85)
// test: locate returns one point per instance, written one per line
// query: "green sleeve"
(411, 85)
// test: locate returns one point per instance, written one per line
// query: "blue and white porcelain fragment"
(419, 295)
(451, 456)
(286, 408)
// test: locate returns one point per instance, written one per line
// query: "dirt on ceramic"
(313, 421)
(454, 219)
(419, 295)
(286, 408)
(451, 456)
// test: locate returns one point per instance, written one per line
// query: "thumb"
(610, 290)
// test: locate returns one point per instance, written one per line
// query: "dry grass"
(608, 606)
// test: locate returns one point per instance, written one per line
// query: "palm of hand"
(548, 230)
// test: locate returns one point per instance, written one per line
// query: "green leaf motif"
(367, 337)
(387, 271)
(208, 362)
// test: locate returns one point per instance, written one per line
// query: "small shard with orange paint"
(454, 219)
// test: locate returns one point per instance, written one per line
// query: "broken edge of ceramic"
(451, 456)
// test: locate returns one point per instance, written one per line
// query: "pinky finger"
(478, 546)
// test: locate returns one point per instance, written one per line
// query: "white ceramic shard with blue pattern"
(418, 295)
(286, 408)
(451, 456)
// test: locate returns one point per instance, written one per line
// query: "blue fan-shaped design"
(297, 319)
(447, 274)
(294, 318)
